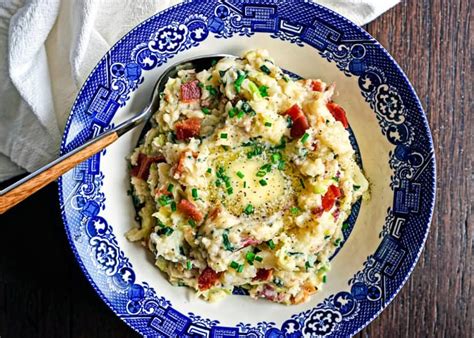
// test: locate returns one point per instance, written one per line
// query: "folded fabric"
(47, 50)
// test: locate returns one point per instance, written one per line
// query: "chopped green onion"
(160, 223)
(263, 91)
(213, 62)
(304, 138)
(226, 242)
(246, 107)
(192, 222)
(173, 206)
(232, 112)
(276, 157)
(294, 253)
(307, 265)
(240, 268)
(245, 184)
(218, 183)
(250, 256)
(254, 89)
(249, 209)
(238, 82)
(222, 72)
(170, 187)
(194, 193)
(268, 124)
(261, 173)
(167, 231)
(267, 167)
(224, 135)
(240, 174)
(295, 210)
(289, 122)
(265, 69)
(209, 170)
(164, 200)
(337, 242)
(335, 178)
(356, 187)
(258, 258)
(200, 85)
(189, 265)
(324, 279)
(281, 165)
(263, 182)
(327, 237)
(211, 90)
(240, 114)
(278, 282)
(230, 190)
(271, 244)
(302, 183)
(234, 265)
(209, 78)
(205, 110)
(345, 226)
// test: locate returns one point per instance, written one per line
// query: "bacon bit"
(190, 91)
(269, 292)
(317, 86)
(163, 191)
(180, 166)
(263, 275)
(338, 112)
(314, 146)
(208, 279)
(307, 290)
(188, 128)
(300, 122)
(299, 127)
(330, 197)
(249, 241)
(142, 169)
(214, 213)
(190, 210)
(317, 211)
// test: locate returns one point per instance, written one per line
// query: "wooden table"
(44, 294)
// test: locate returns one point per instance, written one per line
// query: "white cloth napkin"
(47, 50)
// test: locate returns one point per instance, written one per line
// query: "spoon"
(30, 184)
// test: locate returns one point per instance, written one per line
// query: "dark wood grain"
(432, 41)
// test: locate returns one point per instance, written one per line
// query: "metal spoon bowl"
(28, 185)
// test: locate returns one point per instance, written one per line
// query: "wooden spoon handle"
(34, 184)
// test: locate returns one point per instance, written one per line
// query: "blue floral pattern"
(356, 54)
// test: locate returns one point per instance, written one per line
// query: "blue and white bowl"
(385, 115)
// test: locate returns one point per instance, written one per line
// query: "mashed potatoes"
(245, 180)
